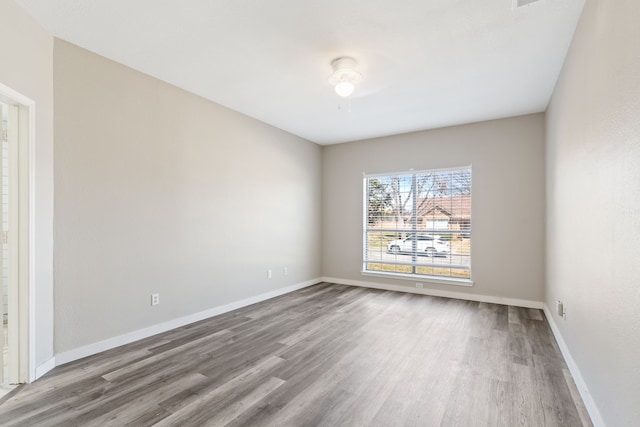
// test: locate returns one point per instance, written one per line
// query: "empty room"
(337, 213)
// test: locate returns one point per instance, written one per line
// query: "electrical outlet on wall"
(155, 299)
(561, 310)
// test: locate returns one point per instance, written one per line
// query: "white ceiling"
(425, 63)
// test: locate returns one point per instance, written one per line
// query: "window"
(418, 224)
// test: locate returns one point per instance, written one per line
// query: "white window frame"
(414, 275)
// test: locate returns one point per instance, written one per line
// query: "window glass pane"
(419, 223)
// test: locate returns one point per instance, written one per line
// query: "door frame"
(21, 239)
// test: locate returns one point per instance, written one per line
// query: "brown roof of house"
(457, 207)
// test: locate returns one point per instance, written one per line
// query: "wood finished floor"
(328, 355)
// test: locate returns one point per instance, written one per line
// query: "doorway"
(14, 338)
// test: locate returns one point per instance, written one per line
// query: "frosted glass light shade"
(345, 89)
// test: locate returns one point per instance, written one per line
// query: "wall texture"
(593, 176)
(508, 237)
(26, 66)
(160, 191)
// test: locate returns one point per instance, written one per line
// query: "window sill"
(419, 279)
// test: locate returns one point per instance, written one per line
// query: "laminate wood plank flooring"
(326, 355)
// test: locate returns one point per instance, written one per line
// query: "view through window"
(418, 223)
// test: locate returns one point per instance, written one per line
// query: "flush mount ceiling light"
(344, 77)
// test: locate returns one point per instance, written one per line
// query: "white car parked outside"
(425, 244)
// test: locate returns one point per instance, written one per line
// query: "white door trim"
(24, 231)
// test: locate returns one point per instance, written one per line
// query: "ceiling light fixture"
(344, 77)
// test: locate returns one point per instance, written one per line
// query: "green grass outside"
(425, 271)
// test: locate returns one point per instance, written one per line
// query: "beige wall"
(508, 222)
(26, 62)
(160, 191)
(593, 175)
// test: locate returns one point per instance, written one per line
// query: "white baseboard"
(594, 413)
(438, 293)
(88, 350)
(44, 368)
